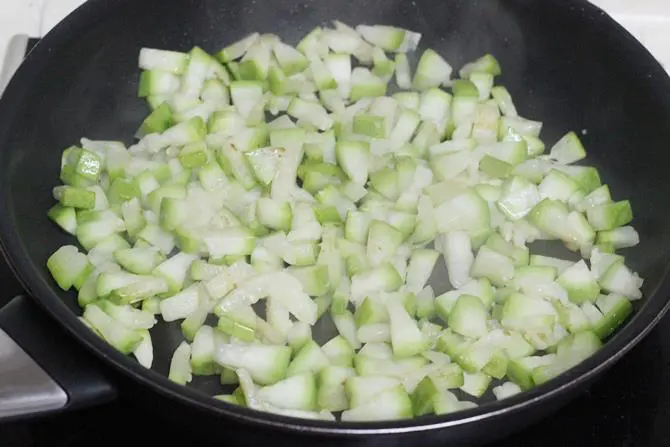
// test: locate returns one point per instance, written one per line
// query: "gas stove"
(628, 406)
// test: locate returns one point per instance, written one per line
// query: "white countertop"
(648, 20)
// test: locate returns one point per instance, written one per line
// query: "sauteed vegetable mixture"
(275, 191)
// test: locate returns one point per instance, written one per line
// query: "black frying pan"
(565, 62)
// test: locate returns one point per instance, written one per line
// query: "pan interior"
(563, 64)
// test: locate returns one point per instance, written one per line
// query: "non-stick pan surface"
(565, 62)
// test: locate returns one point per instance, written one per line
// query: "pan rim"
(634, 331)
